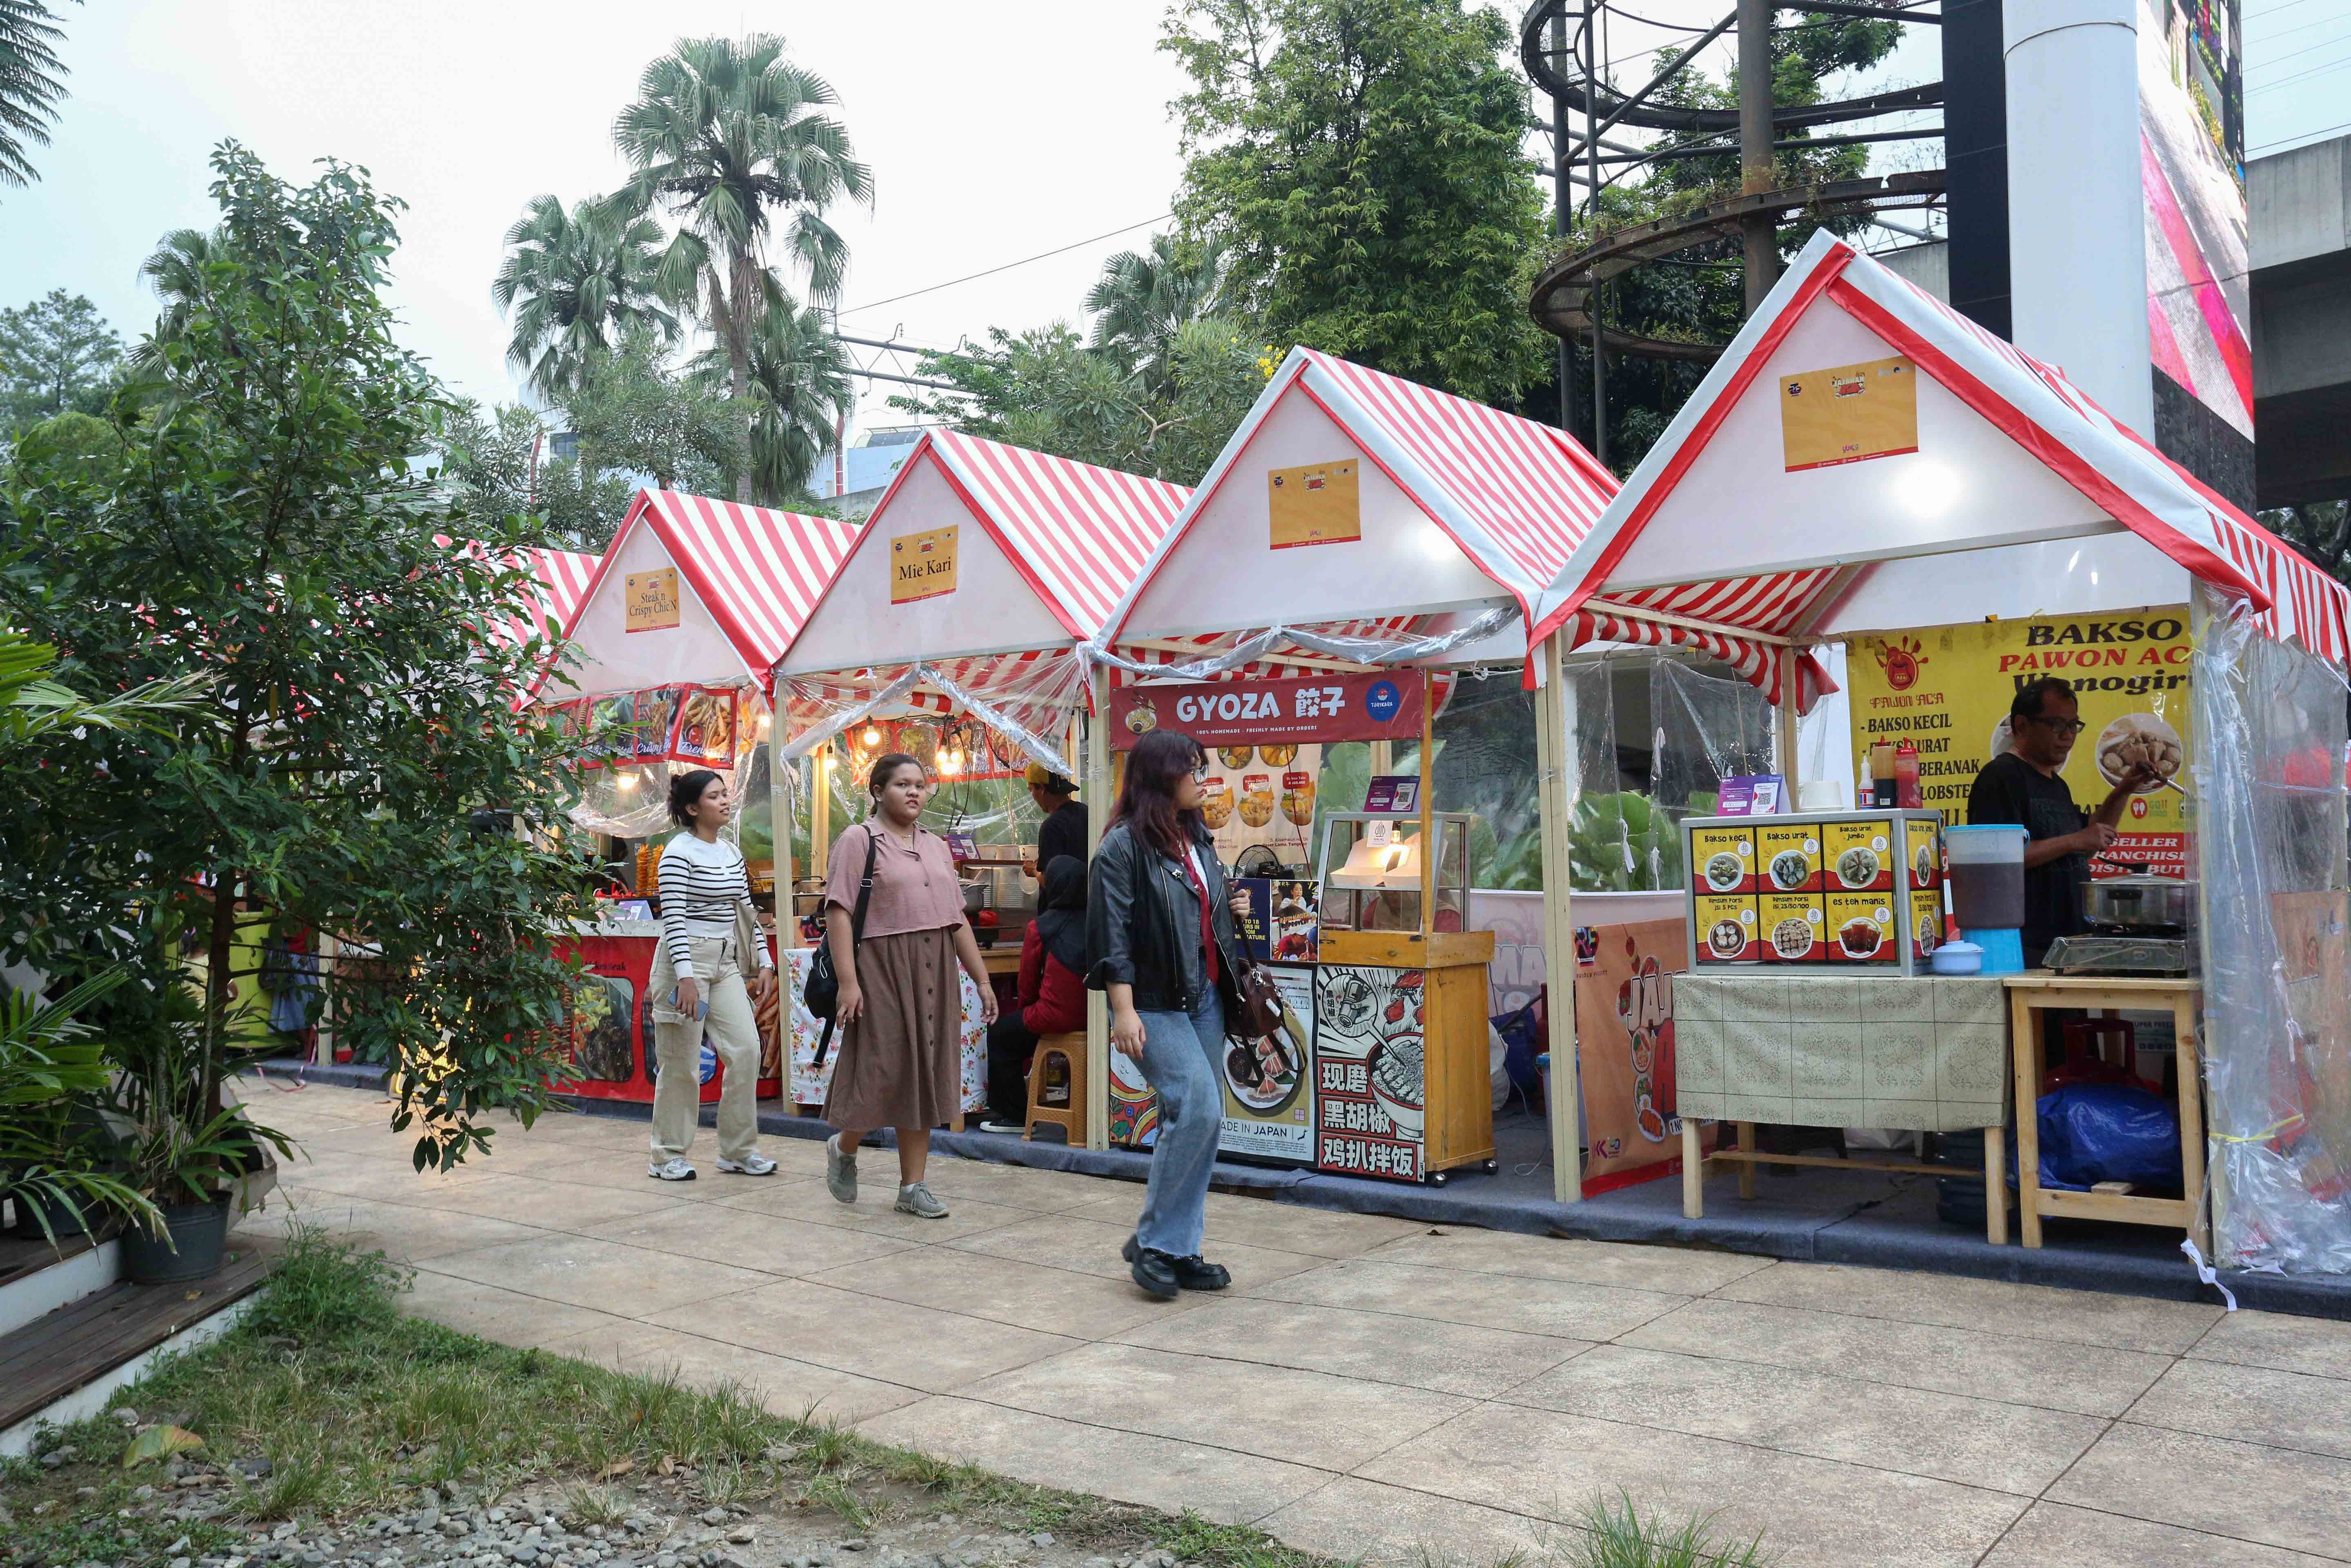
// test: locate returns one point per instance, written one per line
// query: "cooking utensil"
(2139, 903)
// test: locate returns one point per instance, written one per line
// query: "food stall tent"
(2014, 495)
(563, 576)
(1450, 518)
(981, 569)
(695, 593)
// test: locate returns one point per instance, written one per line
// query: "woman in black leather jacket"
(1159, 930)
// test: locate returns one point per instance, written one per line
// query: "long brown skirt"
(900, 1064)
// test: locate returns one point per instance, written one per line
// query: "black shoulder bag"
(822, 990)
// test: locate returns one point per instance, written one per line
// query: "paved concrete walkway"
(1372, 1387)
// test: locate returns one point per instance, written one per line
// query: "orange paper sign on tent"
(1314, 505)
(652, 600)
(1849, 415)
(923, 565)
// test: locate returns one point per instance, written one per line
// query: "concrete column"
(2077, 217)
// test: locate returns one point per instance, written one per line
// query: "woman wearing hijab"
(1052, 992)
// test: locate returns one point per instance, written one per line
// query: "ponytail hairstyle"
(685, 794)
(1147, 797)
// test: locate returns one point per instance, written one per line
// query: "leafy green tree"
(1045, 389)
(2321, 530)
(574, 281)
(1699, 296)
(728, 134)
(799, 390)
(352, 766)
(636, 411)
(31, 84)
(487, 459)
(1144, 299)
(1361, 160)
(57, 356)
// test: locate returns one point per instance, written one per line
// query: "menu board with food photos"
(1854, 888)
(1261, 795)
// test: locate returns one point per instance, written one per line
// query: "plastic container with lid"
(1986, 871)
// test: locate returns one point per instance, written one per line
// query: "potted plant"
(185, 1169)
(60, 1164)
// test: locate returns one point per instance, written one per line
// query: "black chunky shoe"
(1154, 1271)
(1193, 1273)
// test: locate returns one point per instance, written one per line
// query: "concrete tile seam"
(2333, 1458)
(556, 1346)
(2004, 1332)
(1115, 1340)
(1679, 1296)
(1893, 1382)
(2192, 1530)
(1618, 1419)
(1253, 1294)
(974, 1398)
(425, 1266)
(1676, 1298)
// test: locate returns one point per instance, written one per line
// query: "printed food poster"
(1269, 1083)
(1948, 689)
(1859, 855)
(1849, 415)
(705, 727)
(1724, 859)
(1261, 795)
(1724, 926)
(1370, 1078)
(1925, 921)
(1791, 857)
(1790, 926)
(1283, 924)
(1861, 927)
(1625, 1023)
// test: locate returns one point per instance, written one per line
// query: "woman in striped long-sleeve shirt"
(706, 924)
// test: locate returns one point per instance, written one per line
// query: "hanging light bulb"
(872, 737)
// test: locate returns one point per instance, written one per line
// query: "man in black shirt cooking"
(2022, 786)
(1063, 831)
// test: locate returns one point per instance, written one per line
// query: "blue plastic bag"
(2092, 1133)
(1522, 1040)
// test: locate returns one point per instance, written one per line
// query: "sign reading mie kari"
(923, 565)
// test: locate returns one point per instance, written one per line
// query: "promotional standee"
(1381, 1067)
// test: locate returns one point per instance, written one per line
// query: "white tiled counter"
(1929, 1054)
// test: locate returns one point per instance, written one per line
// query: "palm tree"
(1142, 300)
(726, 133)
(574, 281)
(30, 84)
(800, 388)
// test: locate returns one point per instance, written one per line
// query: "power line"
(2300, 76)
(2264, 16)
(1042, 256)
(2290, 32)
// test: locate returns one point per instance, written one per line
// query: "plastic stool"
(1071, 1117)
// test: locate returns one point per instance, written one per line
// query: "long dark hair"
(686, 793)
(1147, 797)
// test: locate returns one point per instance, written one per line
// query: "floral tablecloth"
(809, 1081)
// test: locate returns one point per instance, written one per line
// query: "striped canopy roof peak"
(757, 570)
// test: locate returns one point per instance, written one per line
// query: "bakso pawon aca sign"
(1369, 706)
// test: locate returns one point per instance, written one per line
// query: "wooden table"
(1001, 959)
(2042, 989)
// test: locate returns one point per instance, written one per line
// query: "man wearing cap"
(1064, 829)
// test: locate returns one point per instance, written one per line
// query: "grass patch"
(356, 1407)
(1617, 1536)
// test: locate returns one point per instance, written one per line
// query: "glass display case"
(1370, 872)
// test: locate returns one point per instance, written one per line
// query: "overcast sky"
(995, 129)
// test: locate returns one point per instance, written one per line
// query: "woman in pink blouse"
(900, 1008)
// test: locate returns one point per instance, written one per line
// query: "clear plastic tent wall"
(2272, 852)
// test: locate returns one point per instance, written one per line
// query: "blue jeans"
(1182, 1058)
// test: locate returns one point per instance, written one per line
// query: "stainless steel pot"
(2139, 903)
(974, 897)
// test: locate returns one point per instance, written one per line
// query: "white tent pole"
(1098, 804)
(1554, 756)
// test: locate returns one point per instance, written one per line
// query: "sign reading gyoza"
(1376, 706)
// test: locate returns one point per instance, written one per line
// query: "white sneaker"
(670, 1170)
(1014, 1128)
(753, 1164)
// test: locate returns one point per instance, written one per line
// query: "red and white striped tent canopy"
(563, 578)
(1461, 507)
(2021, 497)
(745, 578)
(1015, 557)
